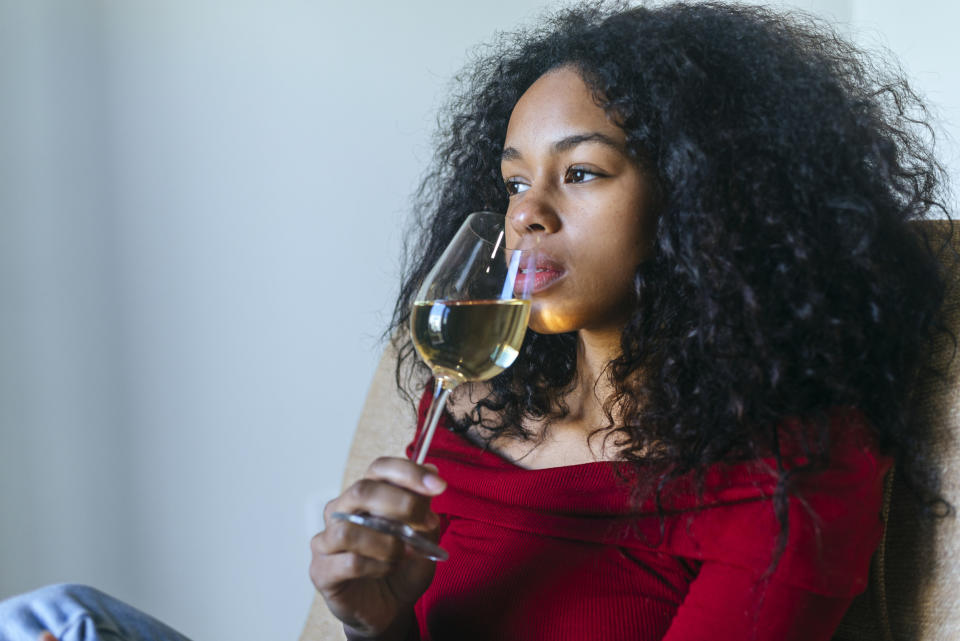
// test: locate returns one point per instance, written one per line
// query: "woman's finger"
(330, 571)
(371, 496)
(341, 536)
(403, 473)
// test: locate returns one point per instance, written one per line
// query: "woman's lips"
(546, 272)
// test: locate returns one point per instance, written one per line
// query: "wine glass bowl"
(467, 324)
(470, 315)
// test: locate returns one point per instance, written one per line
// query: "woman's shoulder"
(850, 471)
(833, 518)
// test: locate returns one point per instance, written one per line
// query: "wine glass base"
(418, 542)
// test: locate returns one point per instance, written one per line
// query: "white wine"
(470, 340)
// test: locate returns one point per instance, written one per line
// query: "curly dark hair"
(786, 279)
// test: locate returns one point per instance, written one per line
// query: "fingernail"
(434, 483)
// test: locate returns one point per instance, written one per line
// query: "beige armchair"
(915, 579)
(386, 425)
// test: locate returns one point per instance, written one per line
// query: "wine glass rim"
(499, 242)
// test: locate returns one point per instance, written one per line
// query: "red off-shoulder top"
(564, 554)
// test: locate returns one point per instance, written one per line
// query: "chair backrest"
(915, 578)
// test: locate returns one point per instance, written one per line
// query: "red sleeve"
(726, 603)
(833, 517)
(834, 527)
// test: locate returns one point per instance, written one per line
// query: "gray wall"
(200, 207)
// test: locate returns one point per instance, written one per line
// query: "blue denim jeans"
(78, 613)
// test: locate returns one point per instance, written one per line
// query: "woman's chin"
(546, 321)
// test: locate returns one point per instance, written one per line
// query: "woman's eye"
(515, 186)
(580, 175)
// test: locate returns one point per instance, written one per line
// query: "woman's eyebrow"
(570, 142)
(567, 143)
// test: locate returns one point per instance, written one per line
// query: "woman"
(732, 306)
(729, 312)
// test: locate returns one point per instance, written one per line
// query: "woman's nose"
(533, 214)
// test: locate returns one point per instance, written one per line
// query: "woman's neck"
(567, 440)
(561, 441)
(585, 401)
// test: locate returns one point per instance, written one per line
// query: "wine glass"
(467, 324)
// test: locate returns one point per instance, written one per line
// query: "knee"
(51, 604)
(68, 610)
(74, 611)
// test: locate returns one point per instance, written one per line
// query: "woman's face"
(572, 184)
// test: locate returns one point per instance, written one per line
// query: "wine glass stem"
(441, 389)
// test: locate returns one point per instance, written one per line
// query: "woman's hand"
(371, 580)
